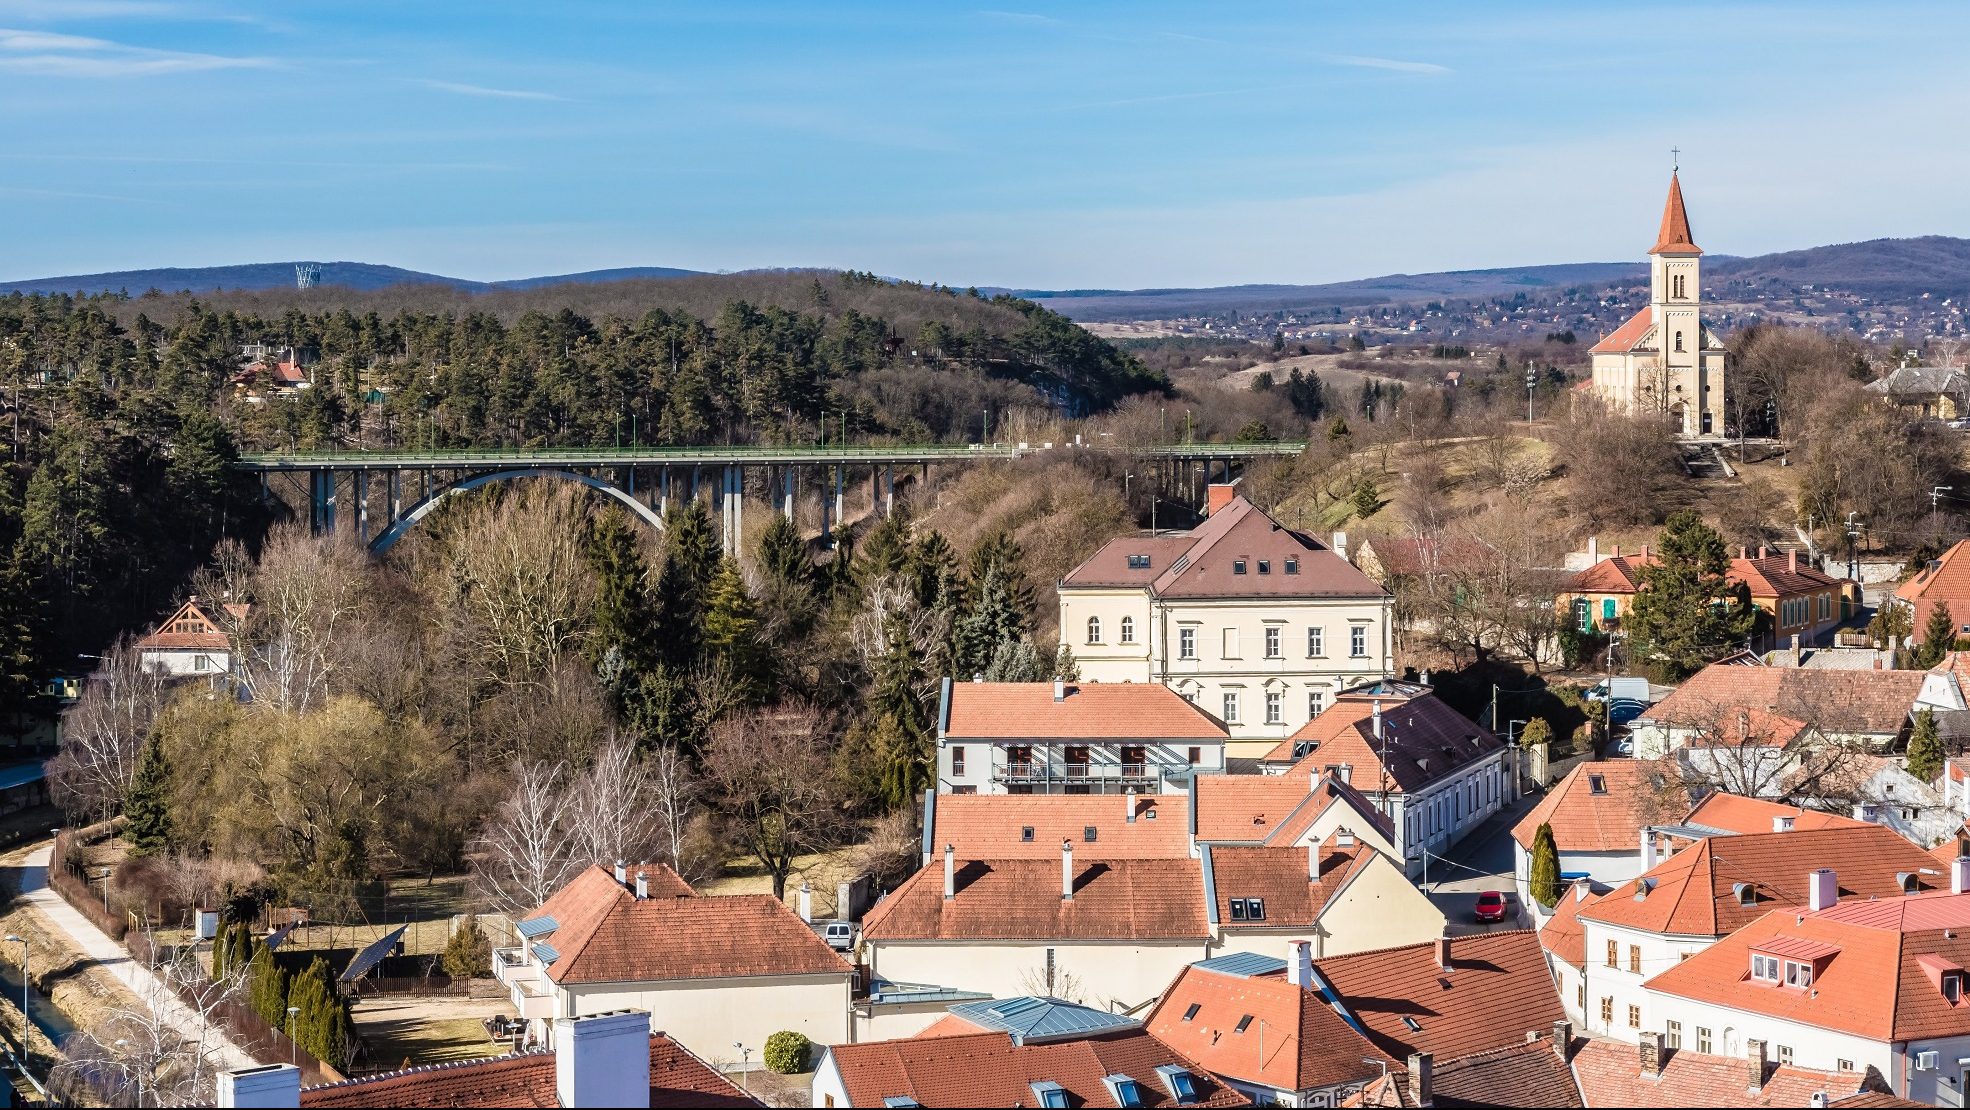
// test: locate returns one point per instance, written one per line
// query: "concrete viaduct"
(383, 494)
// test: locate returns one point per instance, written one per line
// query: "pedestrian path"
(115, 959)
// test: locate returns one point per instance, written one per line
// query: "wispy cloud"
(463, 89)
(1395, 65)
(1022, 17)
(50, 54)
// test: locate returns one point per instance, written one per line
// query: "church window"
(1679, 341)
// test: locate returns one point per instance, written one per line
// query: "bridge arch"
(403, 524)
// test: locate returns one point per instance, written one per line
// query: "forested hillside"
(122, 413)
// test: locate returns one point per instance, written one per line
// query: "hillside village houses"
(1072, 738)
(1942, 581)
(1251, 621)
(192, 642)
(1801, 605)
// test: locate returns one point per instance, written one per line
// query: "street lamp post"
(291, 1011)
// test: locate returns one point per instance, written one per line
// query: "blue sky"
(1098, 144)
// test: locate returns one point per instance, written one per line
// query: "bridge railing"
(623, 456)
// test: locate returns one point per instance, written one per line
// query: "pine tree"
(468, 954)
(624, 614)
(148, 802)
(1925, 747)
(992, 619)
(1545, 866)
(1065, 667)
(1938, 637)
(1686, 613)
(885, 551)
(783, 554)
(731, 630)
(267, 988)
(690, 559)
(1016, 661)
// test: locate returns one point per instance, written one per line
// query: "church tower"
(1663, 359)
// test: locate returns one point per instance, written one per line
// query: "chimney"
(603, 1059)
(272, 1087)
(1959, 875)
(1581, 888)
(1378, 719)
(1060, 689)
(1822, 889)
(1066, 870)
(1128, 815)
(1344, 839)
(1763, 551)
(642, 886)
(1347, 772)
(1443, 953)
(622, 873)
(1648, 850)
(1754, 1064)
(1819, 1100)
(1792, 560)
(1562, 1038)
(1797, 656)
(950, 871)
(1651, 1054)
(1341, 544)
(1740, 551)
(1313, 861)
(1419, 1079)
(1299, 972)
(1217, 495)
(1593, 550)
(1617, 552)
(1645, 553)
(806, 903)
(844, 901)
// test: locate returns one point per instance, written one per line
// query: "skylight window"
(1026, 834)
(1238, 566)
(1191, 1012)
(1089, 833)
(1597, 784)
(1265, 566)
(1138, 562)
(1050, 1094)
(1244, 1023)
(1411, 1024)
(1292, 565)
(1248, 909)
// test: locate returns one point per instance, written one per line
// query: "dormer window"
(1764, 967)
(1746, 893)
(1050, 1094)
(1798, 974)
(1909, 881)
(1953, 987)
(1125, 1091)
(1180, 1083)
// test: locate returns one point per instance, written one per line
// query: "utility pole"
(1935, 511)
(1531, 379)
(1853, 557)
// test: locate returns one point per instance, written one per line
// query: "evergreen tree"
(1686, 614)
(885, 551)
(690, 559)
(1938, 637)
(148, 803)
(1925, 747)
(468, 954)
(992, 619)
(1065, 667)
(624, 621)
(1545, 884)
(1536, 731)
(783, 555)
(1016, 661)
(267, 988)
(731, 630)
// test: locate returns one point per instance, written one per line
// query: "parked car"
(840, 935)
(1625, 746)
(1490, 907)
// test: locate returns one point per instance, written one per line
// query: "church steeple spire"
(1674, 238)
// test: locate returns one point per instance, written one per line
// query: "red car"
(1490, 906)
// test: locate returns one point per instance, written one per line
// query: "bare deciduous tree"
(522, 855)
(167, 1052)
(304, 593)
(677, 804)
(520, 586)
(103, 732)
(612, 811)
(770, 767)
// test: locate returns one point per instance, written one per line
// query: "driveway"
(1481, 861)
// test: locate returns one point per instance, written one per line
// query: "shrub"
(468, 954)
(1546, 888)
(786, 1052)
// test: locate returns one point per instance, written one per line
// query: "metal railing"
(755, 454)
(1076, 772)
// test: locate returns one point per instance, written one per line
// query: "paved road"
(1481, 861)
(115, 959)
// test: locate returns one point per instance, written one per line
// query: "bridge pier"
(396, 484)
(889, 489)
(841, 478)
(787, 477)
(360, 483)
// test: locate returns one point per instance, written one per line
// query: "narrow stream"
(47, 1018)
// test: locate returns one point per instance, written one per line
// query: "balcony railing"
(1077, 772)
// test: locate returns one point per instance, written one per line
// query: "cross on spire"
(1675, 159)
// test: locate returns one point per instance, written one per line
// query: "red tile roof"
(1200, 564)
(677, 1078)
(1527, 1074)
(989, 1069)
(1019, 899)
(1717, 699)
(993, 826)
(605, 934)
(1497, 989)
(1280, 876)
(1880, 982)
(1089, 711)
(1766, 577)
(1597, 807)
(1303, 1045)
(1422, 738)
(1674, 237)
(1563, 935)
(1610, 1072)
(1696, 891)
(194, 626)
(1627, 337)
(1946, 581)
(1278, 809)
(1739, 814)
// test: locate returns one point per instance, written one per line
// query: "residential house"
(1072, 738)
(1260, 1024)
(1880, 789)
(1098, 917)
(1754, 721)
(1682, 905)
(1435, 773)
(1281, 810)
(1799, 604)
(1856, 985)
(1028, 1051)
(1942, 581)
(1597, 812)
(1655, 1073)
(1255, 622)
(1939, 392)
(599, 1060)
(193, 642)
(1534, 1072)
(1564, 940)
(718, 970)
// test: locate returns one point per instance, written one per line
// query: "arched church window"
(1679, 341)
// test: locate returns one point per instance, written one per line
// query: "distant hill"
(280, 275)
(1886, 268)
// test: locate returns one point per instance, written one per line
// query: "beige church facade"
(1663, 359)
